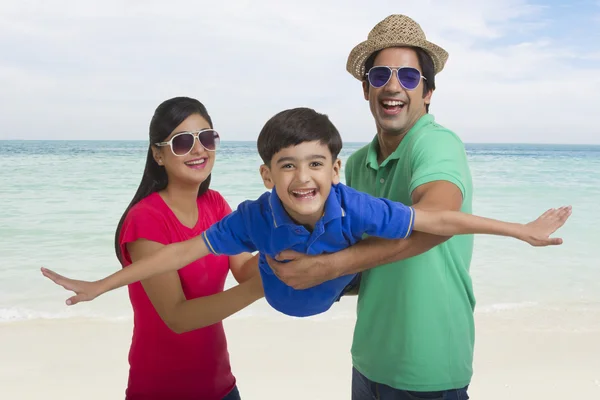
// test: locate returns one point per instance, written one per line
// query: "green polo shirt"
(415, 328)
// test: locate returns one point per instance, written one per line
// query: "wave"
(16, 314)
(499, 307)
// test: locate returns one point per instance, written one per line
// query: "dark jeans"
(365, 389)
(233, 395)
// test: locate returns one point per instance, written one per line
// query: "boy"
(310, 211)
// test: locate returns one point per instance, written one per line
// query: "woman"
(179, 350)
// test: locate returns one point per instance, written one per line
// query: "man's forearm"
(373, 252)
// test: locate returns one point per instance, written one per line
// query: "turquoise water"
(62, 200)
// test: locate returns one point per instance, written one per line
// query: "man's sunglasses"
(408, 77)
(182, 143)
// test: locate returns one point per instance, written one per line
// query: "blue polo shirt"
(263, 225)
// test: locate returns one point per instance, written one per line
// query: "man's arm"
(309, 271)
(373, 251)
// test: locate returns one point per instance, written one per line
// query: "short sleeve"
(142, 223)
(438, 154)
(385, 218)
(226, 208)
(231, 235)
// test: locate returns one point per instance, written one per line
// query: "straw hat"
(395, 30)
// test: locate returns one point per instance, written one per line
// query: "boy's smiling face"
(302, 176)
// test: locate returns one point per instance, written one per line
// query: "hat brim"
(359, 54)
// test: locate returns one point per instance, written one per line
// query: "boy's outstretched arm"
(170, 258)
(449, 223)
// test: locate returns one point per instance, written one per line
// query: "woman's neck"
(183, 202)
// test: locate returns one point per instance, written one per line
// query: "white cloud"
(98, 69)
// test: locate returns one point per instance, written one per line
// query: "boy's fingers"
(53, 276)
(547, 213)
(565, 214)
(60, 280)
(553, 241)
(561, 212)
(74, 300)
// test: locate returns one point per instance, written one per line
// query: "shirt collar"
(374, 145)
(280, 216)
(333, 209)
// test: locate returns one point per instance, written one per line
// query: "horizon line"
(254, 141)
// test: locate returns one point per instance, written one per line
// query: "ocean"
(61, 201)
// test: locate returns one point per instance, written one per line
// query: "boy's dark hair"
(295, 126)
(425, 63)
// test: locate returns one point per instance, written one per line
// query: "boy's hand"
(537, 232)
(85, 291)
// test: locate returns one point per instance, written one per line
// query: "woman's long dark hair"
(167, 117)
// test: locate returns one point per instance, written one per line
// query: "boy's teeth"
(305, 193)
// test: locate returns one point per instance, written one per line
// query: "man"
(414, 333)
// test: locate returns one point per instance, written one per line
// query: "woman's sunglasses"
(408, 77)
(182, 143)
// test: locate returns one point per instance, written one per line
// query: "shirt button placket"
(380, 182)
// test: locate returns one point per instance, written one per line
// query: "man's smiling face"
(394, 108)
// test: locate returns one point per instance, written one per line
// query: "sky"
(518, 71)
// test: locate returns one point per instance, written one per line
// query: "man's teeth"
(196, 162)
(392, 103)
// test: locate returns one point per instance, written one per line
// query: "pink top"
(163, 364)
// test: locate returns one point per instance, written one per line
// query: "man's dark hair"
(293, 127)
(425, 64)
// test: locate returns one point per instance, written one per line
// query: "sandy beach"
(520, 354)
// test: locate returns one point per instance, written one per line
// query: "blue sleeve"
(231, 235)
(385, 218)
